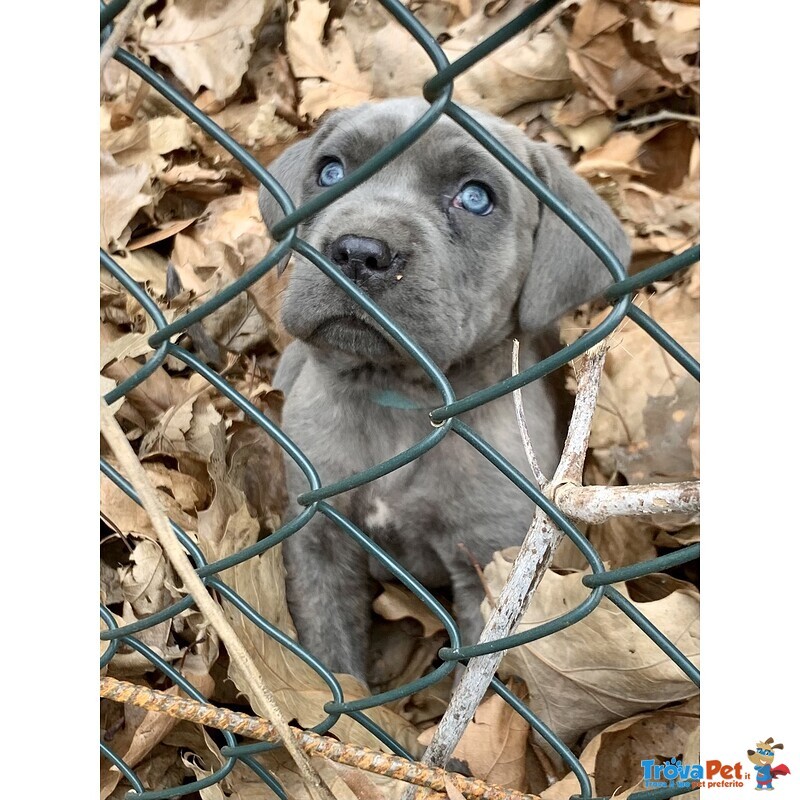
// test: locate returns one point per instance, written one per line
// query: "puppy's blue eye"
(475, 198)
(332, 172)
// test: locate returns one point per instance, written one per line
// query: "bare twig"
(665, 115)
(523, 428)
(121, 25)
(312, 743)
(570, 467)
(114, 436)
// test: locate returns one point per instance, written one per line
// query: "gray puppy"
(463, 258)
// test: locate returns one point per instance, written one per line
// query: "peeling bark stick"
(586, 503)
(595, 504)
(120, 446)
(530, 566)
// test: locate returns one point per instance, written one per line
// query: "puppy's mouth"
(352, 335)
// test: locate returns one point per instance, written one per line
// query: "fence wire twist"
(445, 418)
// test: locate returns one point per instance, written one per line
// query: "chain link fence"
(445, 418)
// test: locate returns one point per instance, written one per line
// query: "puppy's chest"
(406, 513)
(408, 527)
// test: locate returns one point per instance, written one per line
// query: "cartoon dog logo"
(762, 757)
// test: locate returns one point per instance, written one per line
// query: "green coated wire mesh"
(212, 566)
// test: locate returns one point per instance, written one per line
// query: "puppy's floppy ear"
(288, 169)
(565, 272)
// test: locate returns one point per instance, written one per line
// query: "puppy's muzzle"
(361, 258)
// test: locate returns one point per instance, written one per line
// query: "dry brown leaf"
(602, 668)
(229, 239)
(170, 430)
(130, 147)
(130, 345)
(147, 267)
(206, 43)
(346, 783)
(328, 73)
(239, 325)
(452, 792)
(255, 465)
(666, 155)
(396, 602)
(146, 729)
(143, 580)
(651, 180)
(665, 452)
(199, 439)
(258, 127)
(123, 191)
(107, 385)
(235, 221)
(364, 785)
(162, 231)
(576, 109)
(613, 757)
(179, 493)
(647, 406)
(398, 655)
(161, 769)
(201, 767)
(367, 55)
(146, 142)
(678, 538)
(169, 133)
(524, 70)
(626, 59)
(623, 540)
(154, 395)
(605, 68)
(674, 28)
(617, 156)
(495, 741)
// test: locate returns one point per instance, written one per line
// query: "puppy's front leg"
(328, 590)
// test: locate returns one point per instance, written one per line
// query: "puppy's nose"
(360, 256)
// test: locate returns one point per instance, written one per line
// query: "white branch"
(530, 566)
(570, 467)
(594, 504)
(523, 427)
(586, 503)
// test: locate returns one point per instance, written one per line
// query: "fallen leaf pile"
(615, 84)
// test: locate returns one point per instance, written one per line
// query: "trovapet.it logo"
(674, 774)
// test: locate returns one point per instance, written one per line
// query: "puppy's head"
(443, 238)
